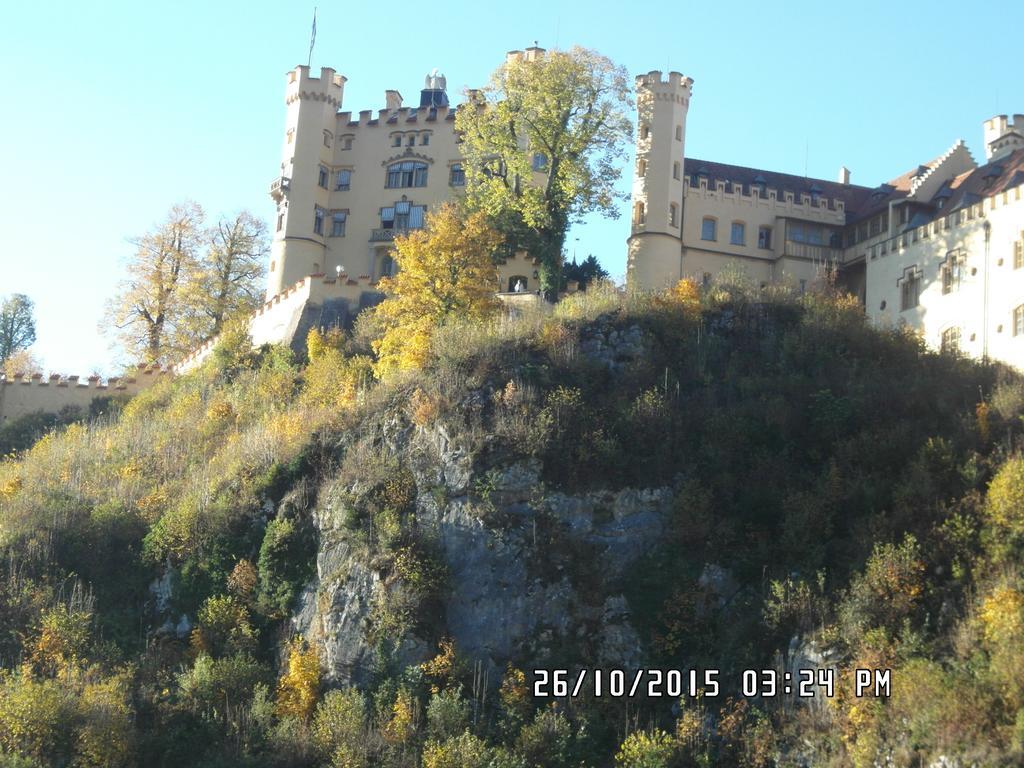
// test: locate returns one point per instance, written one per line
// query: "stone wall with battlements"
(22, 394)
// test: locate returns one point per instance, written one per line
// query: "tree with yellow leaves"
(445, 269)
(298, 688)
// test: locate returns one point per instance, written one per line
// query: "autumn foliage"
(445, 270)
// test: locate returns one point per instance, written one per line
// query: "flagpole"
(312, 40)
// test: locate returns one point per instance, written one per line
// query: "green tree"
(542, 146)
(584, 272)
(17, 325)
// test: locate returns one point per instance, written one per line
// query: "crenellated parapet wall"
(287, 317)
(822, 208)
(22, 394)
(365, 118)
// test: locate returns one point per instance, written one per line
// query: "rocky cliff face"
(529, 572)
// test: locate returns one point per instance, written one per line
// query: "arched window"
(408, 173)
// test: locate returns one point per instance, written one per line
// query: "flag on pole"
(312, 40)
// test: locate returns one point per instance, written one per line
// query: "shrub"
(547, 741)
(285, 564)
(34, 717)
(643, 749)
(339, 723)
(299, 686)
(213, 685)
(462, 751)
(447, 715)
(224, 628)
(1005, 500)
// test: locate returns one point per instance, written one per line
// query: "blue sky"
(113, 111)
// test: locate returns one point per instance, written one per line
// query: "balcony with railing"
(812, 252)
(279, 188)
(382, 235)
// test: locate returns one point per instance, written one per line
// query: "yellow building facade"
(351, 181)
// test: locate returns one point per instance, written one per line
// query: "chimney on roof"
(392, 100)
(844, 175)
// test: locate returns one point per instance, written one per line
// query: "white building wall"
(981, 303)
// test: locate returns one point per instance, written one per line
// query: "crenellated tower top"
(329, 87)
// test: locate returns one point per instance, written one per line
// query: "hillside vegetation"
(832, 493)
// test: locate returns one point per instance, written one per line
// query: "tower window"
(952, 271)
(639, 215)
(322, 178)
(645, 131)
(708, 229)
(641, 167)
(910, 289)
(344, 179)
(764, 237)
(1018, 252)
(327, 139)
(407, 174)
(679, 133)
(540, 162)
(280, 221)
(457, 176)
(338, 219)
(675, 170)
(738, 233)
(1018, 321)
(950, 344)
(318, 220)
(673, 215)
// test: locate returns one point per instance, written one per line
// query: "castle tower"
(1002, 136)
(298, 248)
(655, 243)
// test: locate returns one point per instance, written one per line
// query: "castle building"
(939, 249)
(349, 182)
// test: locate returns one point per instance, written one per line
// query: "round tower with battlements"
(655, 243)
(299, 248)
